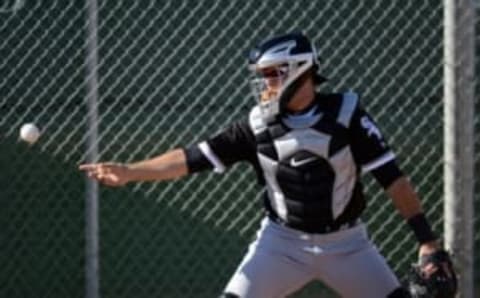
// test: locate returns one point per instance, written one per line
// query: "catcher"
(309, 150)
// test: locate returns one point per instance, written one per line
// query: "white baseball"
(29, 133)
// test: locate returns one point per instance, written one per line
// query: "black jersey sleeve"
(234, 143)
(387, 173)
(369, 147)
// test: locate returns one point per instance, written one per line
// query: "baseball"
(29, 133)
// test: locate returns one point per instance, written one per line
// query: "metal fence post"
(459, 51)
(91, 210)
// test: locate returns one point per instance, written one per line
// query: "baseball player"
(309, 150)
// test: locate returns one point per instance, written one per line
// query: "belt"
(317, 228)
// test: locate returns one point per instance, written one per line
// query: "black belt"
(317, 228)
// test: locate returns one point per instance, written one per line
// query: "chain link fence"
(170, 74)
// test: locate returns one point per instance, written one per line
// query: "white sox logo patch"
(371, 128)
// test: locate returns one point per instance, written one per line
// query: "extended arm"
(167, 166)
(233, 144)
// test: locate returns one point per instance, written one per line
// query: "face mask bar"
(274, 83)
(267, 82)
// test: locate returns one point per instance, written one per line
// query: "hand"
(427, 249)
(434, 275)
(111, 174)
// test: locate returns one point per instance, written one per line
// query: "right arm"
(231, 145)
(167, 166)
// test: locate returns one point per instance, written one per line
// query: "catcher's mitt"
(439, 282)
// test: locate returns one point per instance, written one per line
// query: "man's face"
(272, 79)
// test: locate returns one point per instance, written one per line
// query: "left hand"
(434, 274)
(425, 250)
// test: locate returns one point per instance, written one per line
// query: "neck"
(302, 99)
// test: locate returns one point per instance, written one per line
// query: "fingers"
(92, 169)
(87, 167)
(105, 173)
(97, 167)
(92, 166)
(429, 269)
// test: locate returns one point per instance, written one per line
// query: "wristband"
(422, 230)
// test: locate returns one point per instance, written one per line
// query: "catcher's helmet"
(279, 66)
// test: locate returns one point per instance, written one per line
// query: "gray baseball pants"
(281, 260)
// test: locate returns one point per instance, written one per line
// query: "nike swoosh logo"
(297, 163)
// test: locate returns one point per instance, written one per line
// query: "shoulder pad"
(255, 120)
(349, 104)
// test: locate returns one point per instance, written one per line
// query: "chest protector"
(310, 174)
